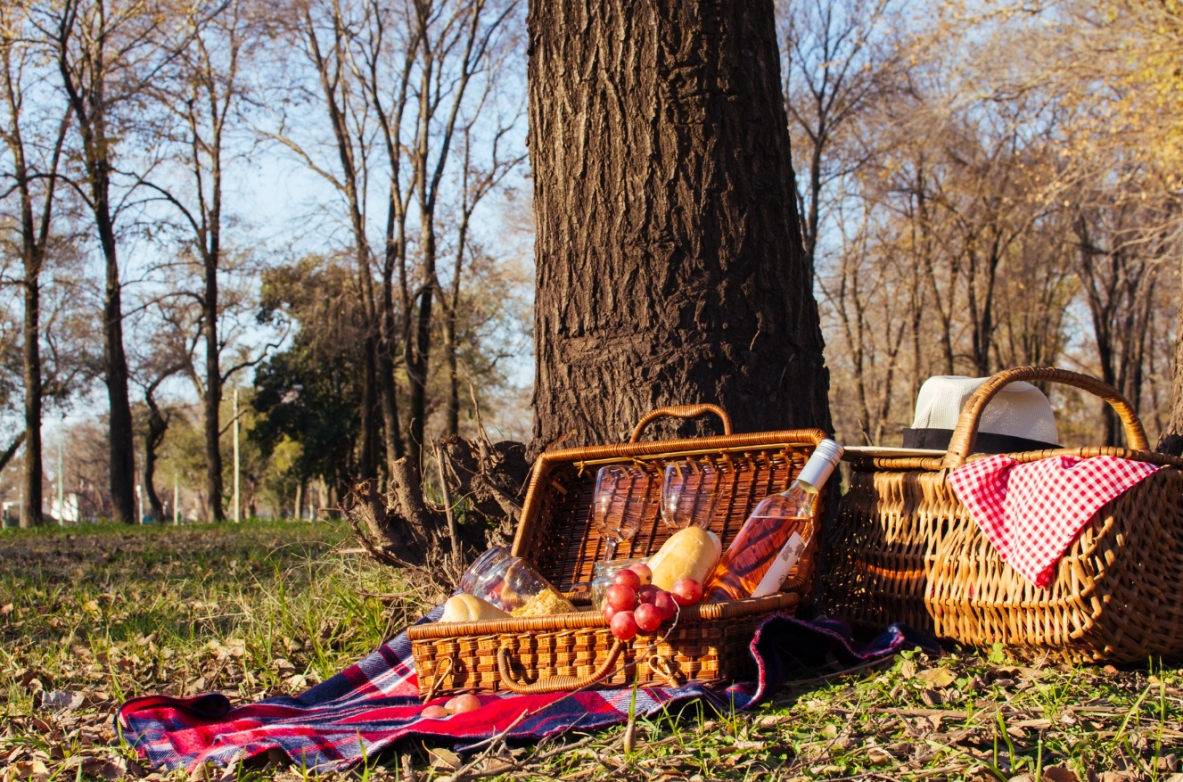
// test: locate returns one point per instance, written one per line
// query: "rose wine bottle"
(770, 542)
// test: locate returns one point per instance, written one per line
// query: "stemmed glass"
(621, 502)
(690, 494)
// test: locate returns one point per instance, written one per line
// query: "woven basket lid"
(1019, 409)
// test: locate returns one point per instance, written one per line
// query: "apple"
(647, 593)
(627, 578)
(624, 625)
(648, 617)
(621, 597)
(643, 571)
(686, 592)
(463, 703)
(664, 602)
(435, 713)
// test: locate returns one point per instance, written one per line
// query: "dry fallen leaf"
(1059, 774)
(62, 701)
(445, 758)
(938, 677)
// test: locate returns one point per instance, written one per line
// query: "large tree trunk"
(157, 426)
(418, 350)
(213, 398)
(387, 390)
(669, 260)
(87, 102)
(122, 445)
(32, 355)
(1171, 440)
(368, 456)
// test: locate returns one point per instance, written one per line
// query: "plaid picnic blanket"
(370, 705)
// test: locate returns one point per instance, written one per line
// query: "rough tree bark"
(1171, 440)
(31, 516)
(669, 260)
(35, 220)
(157, 427)
(7, 454)
(84, 77)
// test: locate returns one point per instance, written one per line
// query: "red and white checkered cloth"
(1032, 512)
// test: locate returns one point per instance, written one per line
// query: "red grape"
(687, 592)
(627, 578)
(624, 625)
(643, 571)
(609, 612)
(664, 602)
(648, 617)
(621, 597)
(647, 593)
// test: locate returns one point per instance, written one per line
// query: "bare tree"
(106, 54)
(475, 183)
(456, 40)
(1118, 285)
(33, 180)
(833, 61)
(394, 81)
(202, 93)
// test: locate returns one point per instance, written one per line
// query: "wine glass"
(690, 494)
(621, 502)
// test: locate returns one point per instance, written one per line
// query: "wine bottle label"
(778, 571)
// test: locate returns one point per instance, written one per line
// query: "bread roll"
(689, 553)
(467, 608)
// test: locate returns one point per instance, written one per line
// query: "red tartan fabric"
(1032, 512)
(366, 708)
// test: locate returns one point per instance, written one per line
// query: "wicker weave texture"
(709, 642)
(904, 548)
(564, 544)
(698, 650)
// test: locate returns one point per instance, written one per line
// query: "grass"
(99, 614)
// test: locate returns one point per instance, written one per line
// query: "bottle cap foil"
(819, 467)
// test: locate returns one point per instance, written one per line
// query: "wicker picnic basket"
(904, 548)
(571, 651)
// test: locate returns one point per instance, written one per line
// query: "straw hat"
(1018, 418)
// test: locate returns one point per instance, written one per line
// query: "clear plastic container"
(513, 585)
(604, 572)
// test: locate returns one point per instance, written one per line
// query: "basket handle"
(556, 683)
(682, 411)
(961, 445)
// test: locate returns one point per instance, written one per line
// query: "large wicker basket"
(572, 651)
(904, 548)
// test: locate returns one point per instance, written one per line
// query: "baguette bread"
(468, 608)
(689, 553)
